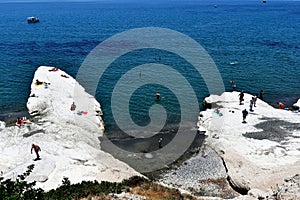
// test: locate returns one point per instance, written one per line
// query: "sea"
(253, 43)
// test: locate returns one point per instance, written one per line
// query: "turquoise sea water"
(262, 38)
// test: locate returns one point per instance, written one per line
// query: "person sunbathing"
(37, 82)
(54, 69)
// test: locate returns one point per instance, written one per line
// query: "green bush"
(21, 190)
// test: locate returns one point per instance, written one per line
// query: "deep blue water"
(263, 38)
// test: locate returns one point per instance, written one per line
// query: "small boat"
(233, 62)
(264, 1)
(33, 19)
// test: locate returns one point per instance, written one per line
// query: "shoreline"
(11, 116)
(250, 155)
(218, 164)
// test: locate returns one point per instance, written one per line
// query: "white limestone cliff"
(68, 139)
(258, 154)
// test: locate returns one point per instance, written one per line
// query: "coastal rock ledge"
(68, 138)
(262, 155)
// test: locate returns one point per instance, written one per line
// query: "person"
(160, 143)
(37, 82)
(54, 69)
(261, 93)
(36, 149)
(245, 113)
(241, 97)
(233, 85)
(19, 122)
(251, 104)
(254, 100)
(73, 107)
(157, 96)
(280, 105)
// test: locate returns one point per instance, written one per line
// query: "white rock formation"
(298, 103)
(256, 156)
(68, 139)
(2, 125)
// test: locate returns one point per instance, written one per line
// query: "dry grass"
(155, 191)
(150, 191)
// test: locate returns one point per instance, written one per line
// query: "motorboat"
(33, 19)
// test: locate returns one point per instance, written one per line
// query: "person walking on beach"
(245, 113)
(241, 97)
(36, 149)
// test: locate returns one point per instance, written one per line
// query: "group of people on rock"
(21, 121)
(252, 103)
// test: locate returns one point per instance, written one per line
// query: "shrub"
(20, 189)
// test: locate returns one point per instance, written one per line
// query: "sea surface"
(261, 39)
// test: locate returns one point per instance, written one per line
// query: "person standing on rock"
(261, 93)
(254, 100)
(241, 97)
(251, 104)
(36, 149)
(245, 113)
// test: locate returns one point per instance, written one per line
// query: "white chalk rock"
(68, 139)
(256, 157)
(2, 125)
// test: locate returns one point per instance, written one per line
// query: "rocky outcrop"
(67, 137)
(258, 154)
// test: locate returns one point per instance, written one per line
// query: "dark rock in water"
(206, 105)
(294, 107)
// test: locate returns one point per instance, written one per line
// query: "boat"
(33, 19)
(233, 62)
(264, 1)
